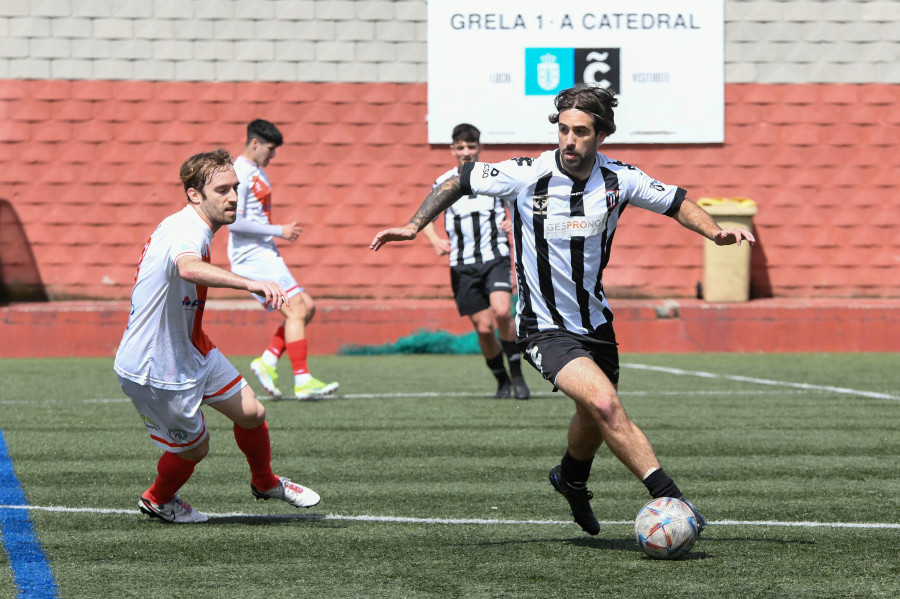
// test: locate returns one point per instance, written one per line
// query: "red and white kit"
(164, 351)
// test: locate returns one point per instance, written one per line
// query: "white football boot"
(291, 492)
(177, 511)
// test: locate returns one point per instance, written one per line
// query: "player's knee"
(254, 418)
(297, 311)
(484, 329)
(197, 453)
(504, 318)
(608, 410)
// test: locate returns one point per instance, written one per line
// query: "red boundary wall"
(242, 328)
(90, 169)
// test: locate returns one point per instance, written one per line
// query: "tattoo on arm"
(440, 198)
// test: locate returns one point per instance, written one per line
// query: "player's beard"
(217, 213)
(581, 163)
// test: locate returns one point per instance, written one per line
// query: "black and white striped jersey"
(563, 232)
(472, 226)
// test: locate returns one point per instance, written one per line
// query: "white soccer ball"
(665, 528)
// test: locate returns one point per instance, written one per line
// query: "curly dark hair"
(596, 101)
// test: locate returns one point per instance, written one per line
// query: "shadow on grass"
(269, 519)
(589, 542)
(631, 546)
(628, 544)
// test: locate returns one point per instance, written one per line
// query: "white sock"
(269, 359)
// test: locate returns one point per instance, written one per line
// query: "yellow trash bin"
(726, 269)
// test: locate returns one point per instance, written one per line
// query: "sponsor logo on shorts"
(535, 354)
(573, 226)
(502, 284)
(149, 424)
(177, 436)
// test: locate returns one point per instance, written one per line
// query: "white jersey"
(164, 344)
(472, 225)
(255, 205)
(563, 232)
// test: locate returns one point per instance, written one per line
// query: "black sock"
(496, 366)
(513, 356)
(661, 484)
(575, 472)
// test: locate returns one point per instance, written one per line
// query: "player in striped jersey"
(253, 254)
(568, 203)
(478, 247)
(169, 367)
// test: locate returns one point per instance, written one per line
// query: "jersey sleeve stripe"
(187, 254)
(680, 195)
(465, 177)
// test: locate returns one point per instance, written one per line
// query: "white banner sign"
(498, 64)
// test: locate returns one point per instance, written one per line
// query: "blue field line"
(30, 568)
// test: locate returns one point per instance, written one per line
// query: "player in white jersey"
(478, 247)
(168, 366)
(253, 254)
(568, 203)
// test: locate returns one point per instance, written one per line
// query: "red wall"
(90, 168)
(241, 328)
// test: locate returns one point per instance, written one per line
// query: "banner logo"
(548, 71)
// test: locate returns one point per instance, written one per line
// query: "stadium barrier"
(240, 327)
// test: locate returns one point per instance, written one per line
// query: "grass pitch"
(432, 489)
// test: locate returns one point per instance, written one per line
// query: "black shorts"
(549, 351)
(474, 283)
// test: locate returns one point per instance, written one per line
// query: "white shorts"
(173, 417)
(266, 266)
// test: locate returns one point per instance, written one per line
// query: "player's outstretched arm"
(733, 235)
(695, 218)
(440, 198)
(193, 269)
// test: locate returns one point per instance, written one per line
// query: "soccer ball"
(665, 528)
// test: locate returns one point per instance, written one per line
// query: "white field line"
(797, 387)
(435, 394)
(114, 400)
(758, 381)
(457, 521)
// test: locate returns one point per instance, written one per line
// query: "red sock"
(276, 345)
(254, 442)
(297, 353)
(172, 472)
